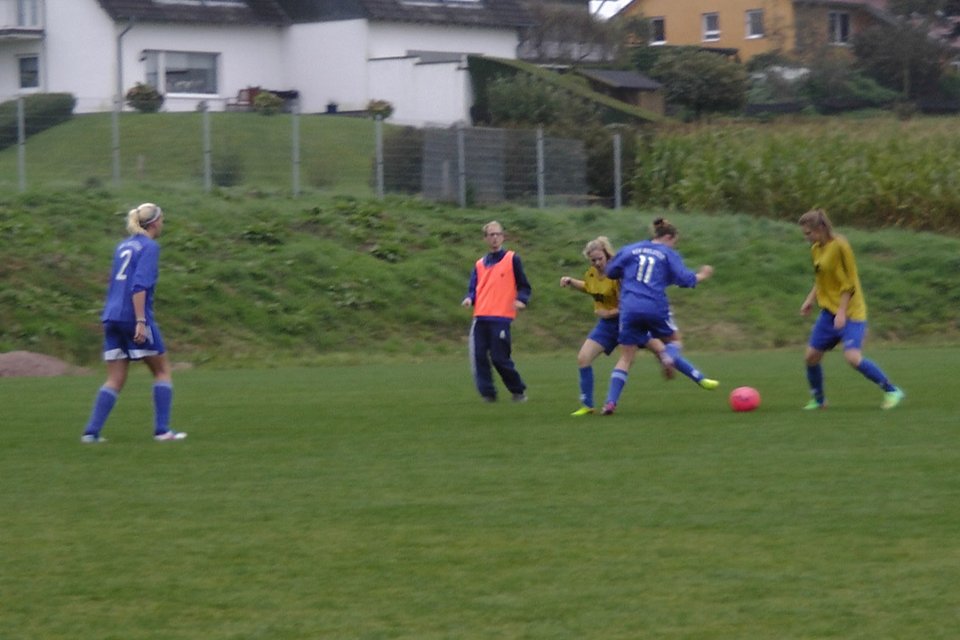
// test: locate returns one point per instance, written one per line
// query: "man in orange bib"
(498, 288)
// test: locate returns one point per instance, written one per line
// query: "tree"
(929, 8)
(700, 80)
(901, 57)
(834, 84)
(570, 34)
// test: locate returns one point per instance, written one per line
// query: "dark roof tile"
(207, 11)
(479, 13)
(621, 79)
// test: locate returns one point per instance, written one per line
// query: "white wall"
(326, 62)
(79, 53)
(351, 62)
(422, 94)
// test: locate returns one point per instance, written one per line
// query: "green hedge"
(41, 111)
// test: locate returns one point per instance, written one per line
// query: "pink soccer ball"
(744, 399)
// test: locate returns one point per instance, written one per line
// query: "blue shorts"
(637, 329)
(118, 341)
(606, 334)
(824, 337)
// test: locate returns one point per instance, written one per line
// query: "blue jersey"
(136, 263)
(645, 270)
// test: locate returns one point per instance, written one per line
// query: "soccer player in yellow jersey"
(843, 310)
(606, 305)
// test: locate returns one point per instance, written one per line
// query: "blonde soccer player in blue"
(130, 331)
(843, 310)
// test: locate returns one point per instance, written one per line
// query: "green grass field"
(386, 501)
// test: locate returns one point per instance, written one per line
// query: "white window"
(29, 67)
(28, 13)
(711, 27)
(755, 23)
(658, 30)
(181, 71)
(839, 27)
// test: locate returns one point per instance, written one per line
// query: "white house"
(346, 52)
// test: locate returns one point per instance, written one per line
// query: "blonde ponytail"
(141, 217)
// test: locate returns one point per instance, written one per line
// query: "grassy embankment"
(251, 274)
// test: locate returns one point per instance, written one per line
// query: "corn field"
(873, 172)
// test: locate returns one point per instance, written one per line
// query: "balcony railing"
(21, 17)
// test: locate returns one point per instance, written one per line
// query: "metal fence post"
(207, 151)
(461, 167)
(295, 116)
(115, 130)
(541, 171)
(21, 145)
(378, 145)
(617, 179)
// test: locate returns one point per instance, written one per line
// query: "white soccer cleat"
(170, 435)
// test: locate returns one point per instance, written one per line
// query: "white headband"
(156, 214)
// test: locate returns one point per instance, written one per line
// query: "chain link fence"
(461, 165)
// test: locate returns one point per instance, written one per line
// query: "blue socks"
(102, 406)
(815, 378)
(586, 386)
(682, 365)
(617, 381)
(866, 367)
(106, 399)
(162, 401)
(873, 373)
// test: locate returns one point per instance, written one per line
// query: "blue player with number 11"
(645, 270)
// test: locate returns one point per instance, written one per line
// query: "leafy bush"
(267, 103)
(40, 110)
(144, 98)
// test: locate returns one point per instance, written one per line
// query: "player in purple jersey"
(129, 329)
(645, 270)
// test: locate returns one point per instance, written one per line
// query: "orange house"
(751, 27)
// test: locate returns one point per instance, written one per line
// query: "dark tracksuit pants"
(490, 342)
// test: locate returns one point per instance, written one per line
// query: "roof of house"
(477, 13)
(206, 11)
(621, 79)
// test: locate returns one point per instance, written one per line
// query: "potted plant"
(380, 108)
(144, 98)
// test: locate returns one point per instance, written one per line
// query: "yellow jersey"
(835, 272)
(605, 291)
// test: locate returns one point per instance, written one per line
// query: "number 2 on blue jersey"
(125, 255)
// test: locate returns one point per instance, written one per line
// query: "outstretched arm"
(573, 283)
